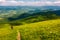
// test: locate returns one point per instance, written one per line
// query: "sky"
(29, 2)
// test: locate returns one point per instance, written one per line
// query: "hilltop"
(46, 30)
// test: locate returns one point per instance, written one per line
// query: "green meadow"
(45, 30)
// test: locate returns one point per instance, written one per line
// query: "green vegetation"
(35, 18)
(46, 30)
(35, 26)
(20, 17)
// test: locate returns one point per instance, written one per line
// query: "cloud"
(57, 3)
(29, 3)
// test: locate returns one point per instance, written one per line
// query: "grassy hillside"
(33, 17)
(46, 30)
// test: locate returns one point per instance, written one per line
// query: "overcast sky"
(29, 2)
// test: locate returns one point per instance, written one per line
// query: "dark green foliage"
(19, 19)
(15, 23)
(36, 18)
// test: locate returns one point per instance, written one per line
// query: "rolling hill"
(46, 30)
(34, 17)
(33, 22)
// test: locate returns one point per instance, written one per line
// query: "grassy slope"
(46, 30)
(7, 34)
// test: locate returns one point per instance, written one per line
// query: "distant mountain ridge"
(20, 12)
(32, 7)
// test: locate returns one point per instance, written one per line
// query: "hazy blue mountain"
(25, 11)
(29, 7)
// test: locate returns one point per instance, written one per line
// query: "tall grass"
(46, 30)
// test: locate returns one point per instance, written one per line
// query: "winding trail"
(18, 35)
